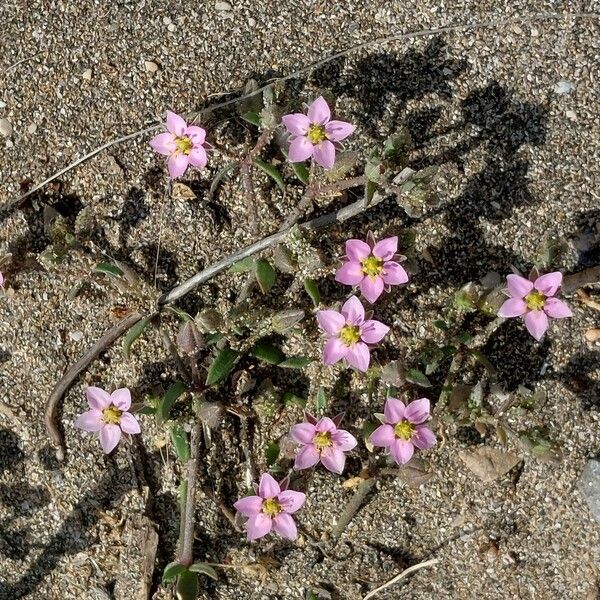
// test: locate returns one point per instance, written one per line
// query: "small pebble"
(223, 6)
(32, 128)
(563, 87)
(87, 74)
(5, 128)
(151, 66)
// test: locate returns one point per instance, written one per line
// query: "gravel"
(510, 112)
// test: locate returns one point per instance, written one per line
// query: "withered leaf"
(488, 463)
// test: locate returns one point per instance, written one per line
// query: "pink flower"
(403, 429)
(1, 279)
(271, 509)
(535, 302)
(372, 269)
(184, 145)
(108, 415)
(322, 441)
(314, 134)
(348, 334)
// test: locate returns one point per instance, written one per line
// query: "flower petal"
(394, 410)
(513, 307)
(333, 459)
(258, 526)
(196, 134)
(300, 150)
(296, 123)
(176, 124)
(121, 398)
(418, 411)
(338, 130)
(353, 311)
(557, 309)
(357, 250)
(423, 438)
(371, 288)
(291, 501)
(129, 424)
(549, 283)
(268, 487)
(324, 154)
(383, 436)
(303, 433)
(536, 322)
(344, 440)
(163, 143)
(518, 287)
(90, 420)
(350, 273)
(97, 398)
(325, 424)
(284, 525)
(249, 506)
(318, 111)
(197, 157)
(110, 436)
(330, 321)
(393, 273)
(373, 331)
(386, 248)
(402, 451)
(177, 164)
(359, 356)
(333, 351)
(308, 456)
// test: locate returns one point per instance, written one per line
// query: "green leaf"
(483, 360)
(418, 378)
(252, 117)
(180, 443)
(147, 410)
(267, 352)
(168, 400)
(179, 313)
(212, 338)
(108, 269)
(172, 570)
(187, 586)
(374, 170)
(441, 325)
(301, 172)
(242, 266)
(265, 274)
(222, 365)
(291, 399)
(272, 172)
(134, 333)
(205, 569)
(370, 189)
(321, 401)
(272, 453)
(295, 362)
(397, 144)
(310, 285)
(221, 175)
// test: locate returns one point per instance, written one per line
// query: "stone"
(589, 486)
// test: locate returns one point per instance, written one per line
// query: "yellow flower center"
(535, 300)
(350, 334)
(372, 266)
(404, 430)
(112, 415)
(322, 440)
(271, 507)
(316, 133)
(184, 144)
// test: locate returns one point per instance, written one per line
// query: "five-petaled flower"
(348, 334)
(108, 415)
(535, 301)
(315, 134)
(184, 145)
(322, 441)
(372, 267)
(271, 509)
(404, 429)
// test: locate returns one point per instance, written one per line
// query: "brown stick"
(576, 280)
(66, 381)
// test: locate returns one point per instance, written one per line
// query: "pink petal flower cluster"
(372, 268)
(535, 301)
(314, 135)
(348, 334)
(184, 145)
(271, 509)
(108, 416)
(404, 429)
(323, 442)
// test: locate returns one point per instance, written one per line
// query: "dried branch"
(404, 574)
(353, 506)
(61, 388)
(576, 280)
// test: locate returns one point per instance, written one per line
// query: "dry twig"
(403, 575)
